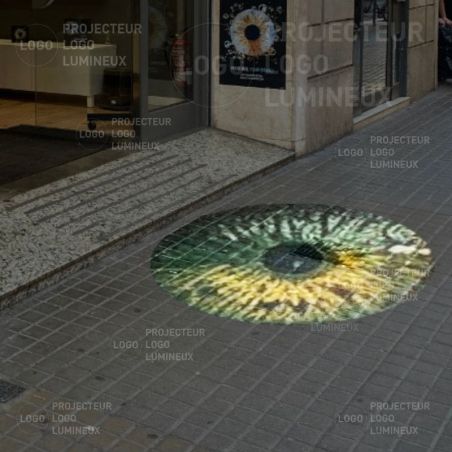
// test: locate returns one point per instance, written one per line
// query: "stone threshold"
(55, 230)
(380, 112)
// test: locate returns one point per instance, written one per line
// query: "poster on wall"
(253, 43)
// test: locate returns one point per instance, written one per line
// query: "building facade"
(318, 105)
(299, 74)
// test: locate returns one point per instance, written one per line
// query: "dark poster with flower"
(253, 43)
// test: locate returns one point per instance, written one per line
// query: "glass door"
(110, 65)
(84, 63)
(398, 48)
(175, 68)
(17, 63)
(379, 52)
(371, 53)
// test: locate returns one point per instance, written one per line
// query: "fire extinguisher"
(181, 63)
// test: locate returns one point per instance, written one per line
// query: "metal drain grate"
(9, 391)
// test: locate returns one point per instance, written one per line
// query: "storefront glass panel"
(379, 52)
(177, 51)
(171, 25)
(80, 64)
(86, 65)
(65, 61)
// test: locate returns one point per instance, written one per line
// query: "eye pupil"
(293, 258)
(252, 32)
(306, 250)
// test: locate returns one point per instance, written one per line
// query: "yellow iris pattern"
(335, 264)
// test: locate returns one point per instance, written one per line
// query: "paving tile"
(117, 425)
(216, 441)
(262, 438)
(333, 443)
(12, 445)
(122, 446)
(443, 444)
(144, 436)
(159, 421)
(242, 446)
(406, 446)
(173, 444)
(102, 441)
(273, 424)
(189, 432)
(9, 391)
(26, 432)
(52, 443)
(304, 434)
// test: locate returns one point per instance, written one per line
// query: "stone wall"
(302, 117)
(422, 47)
(329, 115)
(262, 114)
(316, 108)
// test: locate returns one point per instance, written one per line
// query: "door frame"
(399, 11)
(186, 116)
(393, 89)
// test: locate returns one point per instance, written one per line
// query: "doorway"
(61, 61)
(113, 74)
(69, 64)
(64, 74)
(380, 52)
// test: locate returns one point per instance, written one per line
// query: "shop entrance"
(61, 61)
(77, 65)
(98, 73)
(380, 52)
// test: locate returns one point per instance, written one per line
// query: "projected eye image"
(292, 264)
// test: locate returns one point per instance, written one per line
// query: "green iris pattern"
(292, 264)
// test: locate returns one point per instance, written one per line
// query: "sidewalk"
(83, 349)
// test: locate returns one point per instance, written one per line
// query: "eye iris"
(293, 258)
(292, 264)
